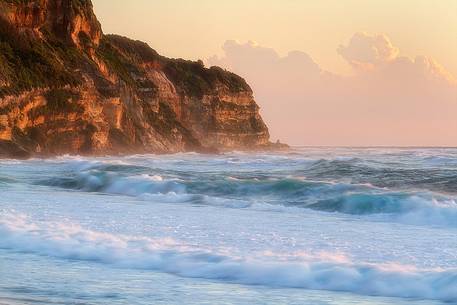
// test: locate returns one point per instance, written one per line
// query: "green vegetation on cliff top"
(28, 62)
(190, 76)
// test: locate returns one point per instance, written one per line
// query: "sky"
(327, 72)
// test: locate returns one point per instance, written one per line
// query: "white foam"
(323, 272)
(424, 208)
(143, 184)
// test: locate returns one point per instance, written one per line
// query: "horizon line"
(370, 146)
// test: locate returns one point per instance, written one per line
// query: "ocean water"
(313, 226)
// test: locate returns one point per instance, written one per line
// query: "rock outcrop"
(65, 87)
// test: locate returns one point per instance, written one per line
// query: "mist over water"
(310, 226)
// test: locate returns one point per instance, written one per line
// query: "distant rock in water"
(65, 87)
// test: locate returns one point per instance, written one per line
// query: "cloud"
(433, 70)
(390, 99)
(366, 51)
(265, 65)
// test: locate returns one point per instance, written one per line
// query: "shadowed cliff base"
(66, 88)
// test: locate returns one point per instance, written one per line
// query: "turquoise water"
(308, 226)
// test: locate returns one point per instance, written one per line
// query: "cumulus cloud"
(265, 65)
(390, 99)
(366, 51)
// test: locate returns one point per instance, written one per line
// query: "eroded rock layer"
(65, 87)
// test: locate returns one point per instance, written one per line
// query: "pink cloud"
(390, 100)
(366, 51)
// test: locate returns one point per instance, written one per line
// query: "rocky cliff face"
(65, 87)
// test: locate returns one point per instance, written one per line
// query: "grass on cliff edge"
(125, 56)
(27, 63)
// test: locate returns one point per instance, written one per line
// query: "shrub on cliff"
(30, 63)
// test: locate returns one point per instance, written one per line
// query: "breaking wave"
(6, 181)
(259, 192)
(320, 272)
(407, 208)
(113, 179)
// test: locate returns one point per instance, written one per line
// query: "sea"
(310, 225)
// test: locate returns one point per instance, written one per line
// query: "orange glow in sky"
(327, 72)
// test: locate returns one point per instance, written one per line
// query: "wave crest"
(260, 192)
(60, 240)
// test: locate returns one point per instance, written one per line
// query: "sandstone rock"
(65, 87)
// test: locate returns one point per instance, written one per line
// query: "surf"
(317, 272)
(257, 191)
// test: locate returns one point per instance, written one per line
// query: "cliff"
(65, 87)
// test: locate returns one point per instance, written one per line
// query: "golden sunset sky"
(367, 72)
